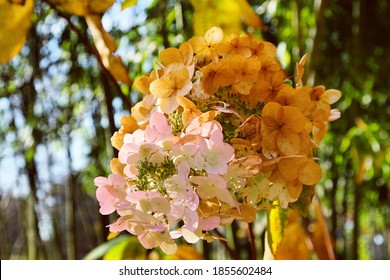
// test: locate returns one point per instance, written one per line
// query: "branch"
(232, 253)
(252, 245)
(93, 51)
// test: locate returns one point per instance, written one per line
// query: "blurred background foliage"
(59, 108)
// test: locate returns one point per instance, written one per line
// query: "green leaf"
(99, 251)
(120, 248)
(128, 3)
(29, 155)
(128, 249)
(304, 200)
(277, 220)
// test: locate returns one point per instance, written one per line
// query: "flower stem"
(252, 245)
(232, 253)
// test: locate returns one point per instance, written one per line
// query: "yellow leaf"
(127, 249)
(106, 46)
(99, 6)
(128, 3)
(294, 245)
(112, 235)
(104, 42)
(117, 68)
(17, 2)
(250, 17)
(186, 252)
(15, 21)
(223, 13)
(83, 7)
(277, 219)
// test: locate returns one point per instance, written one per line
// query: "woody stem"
(232, 253)
(252, 245)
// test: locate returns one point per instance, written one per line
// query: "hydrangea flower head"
(218, 135)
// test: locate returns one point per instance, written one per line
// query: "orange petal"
(331, 96)
(187, 53)
(190, 110)
(162, 88)
(319, 130)
(207, 116)
(216, 76)
(198, 44)
(294, 121)
(310, 173)
(128, 124)
(168, 105)
(117, 140)
(117, 167)
(169, 56)
(186, 103)
(269, 144)
(289, 144)
(294, 189)
(214, 35)
(259, 92)
(179, 74)
(288, 167)
(270, 109)
(142, 84)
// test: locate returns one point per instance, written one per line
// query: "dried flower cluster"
(219, 134)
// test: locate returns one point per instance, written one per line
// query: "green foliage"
(128, 3)
(124, 247)
(305, 199)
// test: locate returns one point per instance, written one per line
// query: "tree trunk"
(5, 244)
(32, 232)
(356, 221)
(314, 56)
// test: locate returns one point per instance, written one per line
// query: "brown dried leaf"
(320, 238)
(106, 46)
(294, 245)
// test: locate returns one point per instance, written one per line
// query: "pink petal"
(191, 220)
(209, 223)
(101, 181)
(106, 201)
(117, 180)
